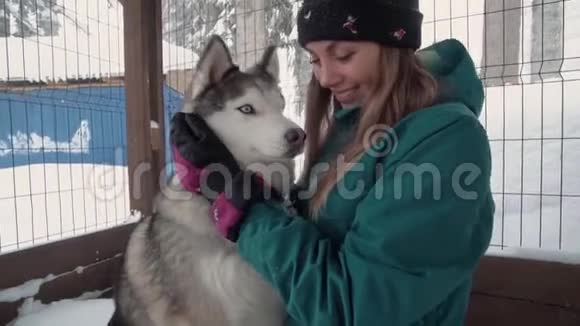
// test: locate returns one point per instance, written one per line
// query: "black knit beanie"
(395, 23)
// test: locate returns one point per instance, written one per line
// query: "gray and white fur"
(178, 271)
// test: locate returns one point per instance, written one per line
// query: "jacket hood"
(452, 66)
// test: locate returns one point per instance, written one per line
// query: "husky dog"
(177, 269)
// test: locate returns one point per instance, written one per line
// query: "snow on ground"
(560, 256)
(92, 312)
(42, 203)
(26, 290)
(89, 308)
(535, 166)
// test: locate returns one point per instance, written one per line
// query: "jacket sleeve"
(403, 254)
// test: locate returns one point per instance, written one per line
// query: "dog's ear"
(270, 64)
(214, 63)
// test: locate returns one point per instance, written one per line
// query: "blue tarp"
(74, 125)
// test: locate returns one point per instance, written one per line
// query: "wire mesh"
(529, 66)
(62, 120)
(526, 53)
(62, 107)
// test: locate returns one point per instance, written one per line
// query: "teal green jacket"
(402, 248)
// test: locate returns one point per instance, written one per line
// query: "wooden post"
(144, 95)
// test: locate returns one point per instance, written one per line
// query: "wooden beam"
(99, 254)
(498, 311)
(542, 282)
(144, 94)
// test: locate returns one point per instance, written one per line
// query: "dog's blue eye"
(247, 109)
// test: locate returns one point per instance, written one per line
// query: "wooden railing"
(506, 291)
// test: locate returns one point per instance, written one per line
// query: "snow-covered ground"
(89, 308)
(535, 166)
(42, 203)
(91, 312)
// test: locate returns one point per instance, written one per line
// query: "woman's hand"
(201, 156)
(195, 148)
(229, 209)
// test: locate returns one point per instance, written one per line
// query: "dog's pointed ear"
(213, 64)
(270, 63)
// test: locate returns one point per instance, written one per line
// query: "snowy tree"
(279, 21)
(187, 23)
(25, 18)
(281, 30)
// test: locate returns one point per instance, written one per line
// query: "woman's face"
(350, 70)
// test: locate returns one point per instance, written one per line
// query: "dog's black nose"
(295, 136)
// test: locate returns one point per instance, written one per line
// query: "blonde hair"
(403, 87)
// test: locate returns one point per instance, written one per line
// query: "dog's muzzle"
(295, 139)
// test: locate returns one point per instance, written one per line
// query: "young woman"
(398, 166)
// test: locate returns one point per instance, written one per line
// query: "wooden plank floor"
(506, 291)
